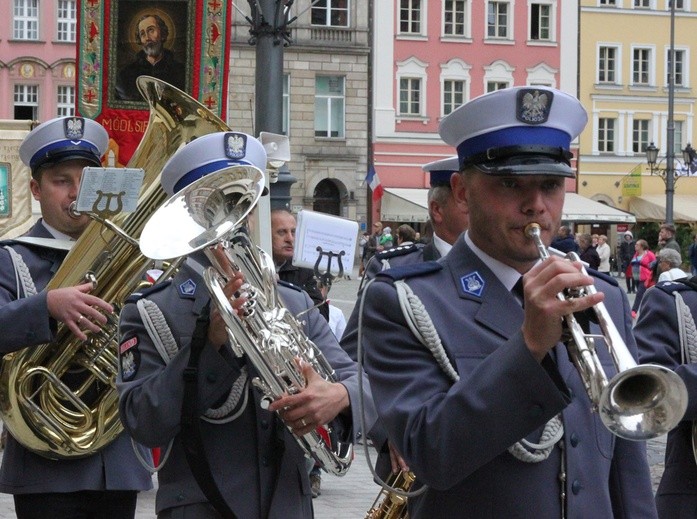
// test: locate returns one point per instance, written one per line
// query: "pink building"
(37, 58)
(433, 55)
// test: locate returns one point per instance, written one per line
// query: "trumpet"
(641, 401)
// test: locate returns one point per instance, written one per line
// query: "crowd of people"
(469, 379)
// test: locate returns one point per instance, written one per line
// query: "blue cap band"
(58, 149)
(513, 136)
(441, 177)
(204, 170)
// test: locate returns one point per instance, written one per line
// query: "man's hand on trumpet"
(317, 404)
(544, 309)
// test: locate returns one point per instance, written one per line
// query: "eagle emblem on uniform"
(473, 284)
(235, 145)
(74, 128)
(533, 106)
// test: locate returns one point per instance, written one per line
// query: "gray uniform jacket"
(657, 337)
(257, 464)
(25, 322)
(455, 435)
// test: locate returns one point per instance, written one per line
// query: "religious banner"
(183, 42)
(15, 194)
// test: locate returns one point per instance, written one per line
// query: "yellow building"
(623, 83)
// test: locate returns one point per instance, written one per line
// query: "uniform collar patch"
(187, 289)
(473, 284)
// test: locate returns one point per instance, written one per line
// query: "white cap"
(208, 154)
(520, 130)
(64, 138)
(441, 170)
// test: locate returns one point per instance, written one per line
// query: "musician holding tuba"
(251, 454)
(473, 383)
(103, 484)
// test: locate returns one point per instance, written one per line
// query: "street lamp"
(669, 173)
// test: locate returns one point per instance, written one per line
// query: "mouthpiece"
(532, 229)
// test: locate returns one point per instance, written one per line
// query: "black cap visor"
(64, 155)
(526, 165)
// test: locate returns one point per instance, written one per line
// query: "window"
(677, 138)
(492, 86)
(453, 95)
(286, 104)
(644, 4)
(410, 96)
(65, 100)
(607, 60)
(640, 135)
(540, 22)
(330, 12)
(679, 68)
(25, 20)
(679, 4)
(329, 106)
(641, 66)
(606, 135)
(497, 20)
(410, 16)
(66, 20)
(454, 18)
(607, 2)
(26, 102)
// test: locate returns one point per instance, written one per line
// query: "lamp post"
(668, 172)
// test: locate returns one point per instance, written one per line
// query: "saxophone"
(40, 409)
(212, 211)
(390, 504)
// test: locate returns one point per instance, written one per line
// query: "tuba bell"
(41, 410)
(212, 211)
(641, 401)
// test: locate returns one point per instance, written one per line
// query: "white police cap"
(208, 154)
(441, 170)
(516, 131)
(61, 139)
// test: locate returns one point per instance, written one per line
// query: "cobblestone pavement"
(350, 496)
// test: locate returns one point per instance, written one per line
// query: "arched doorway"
(326, 198)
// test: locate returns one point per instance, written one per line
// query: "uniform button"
(264, 461)
(180, 496)
(264, 424)
(535, 411)
(571, 394)
(211, 377)
(576, 487)
(31, 335)
(574, 439)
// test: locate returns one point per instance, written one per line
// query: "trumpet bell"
(202, 213)
(643, 402)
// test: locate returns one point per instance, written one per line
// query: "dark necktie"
(517, 291)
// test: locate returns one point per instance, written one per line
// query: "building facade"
(431, 56)
(325, 102)
(624, 85)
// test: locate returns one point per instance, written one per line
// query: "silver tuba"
(212, 211)
(640, 402)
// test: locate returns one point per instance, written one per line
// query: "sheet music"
(329, 232)
(109, 190)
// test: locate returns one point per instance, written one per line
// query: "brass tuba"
(44, 413)
(211, 211)
(641, 401)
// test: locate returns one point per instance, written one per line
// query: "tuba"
(212, 211)
(641, 401)
(41, 409)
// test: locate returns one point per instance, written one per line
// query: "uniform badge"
(187, 289)
(129, 357)
(235, 145)
(533, 106)
(473, 284)
(74, 128)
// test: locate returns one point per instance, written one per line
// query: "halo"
(133, 25)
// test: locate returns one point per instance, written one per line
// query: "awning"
(411, 205)
(652, 208)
